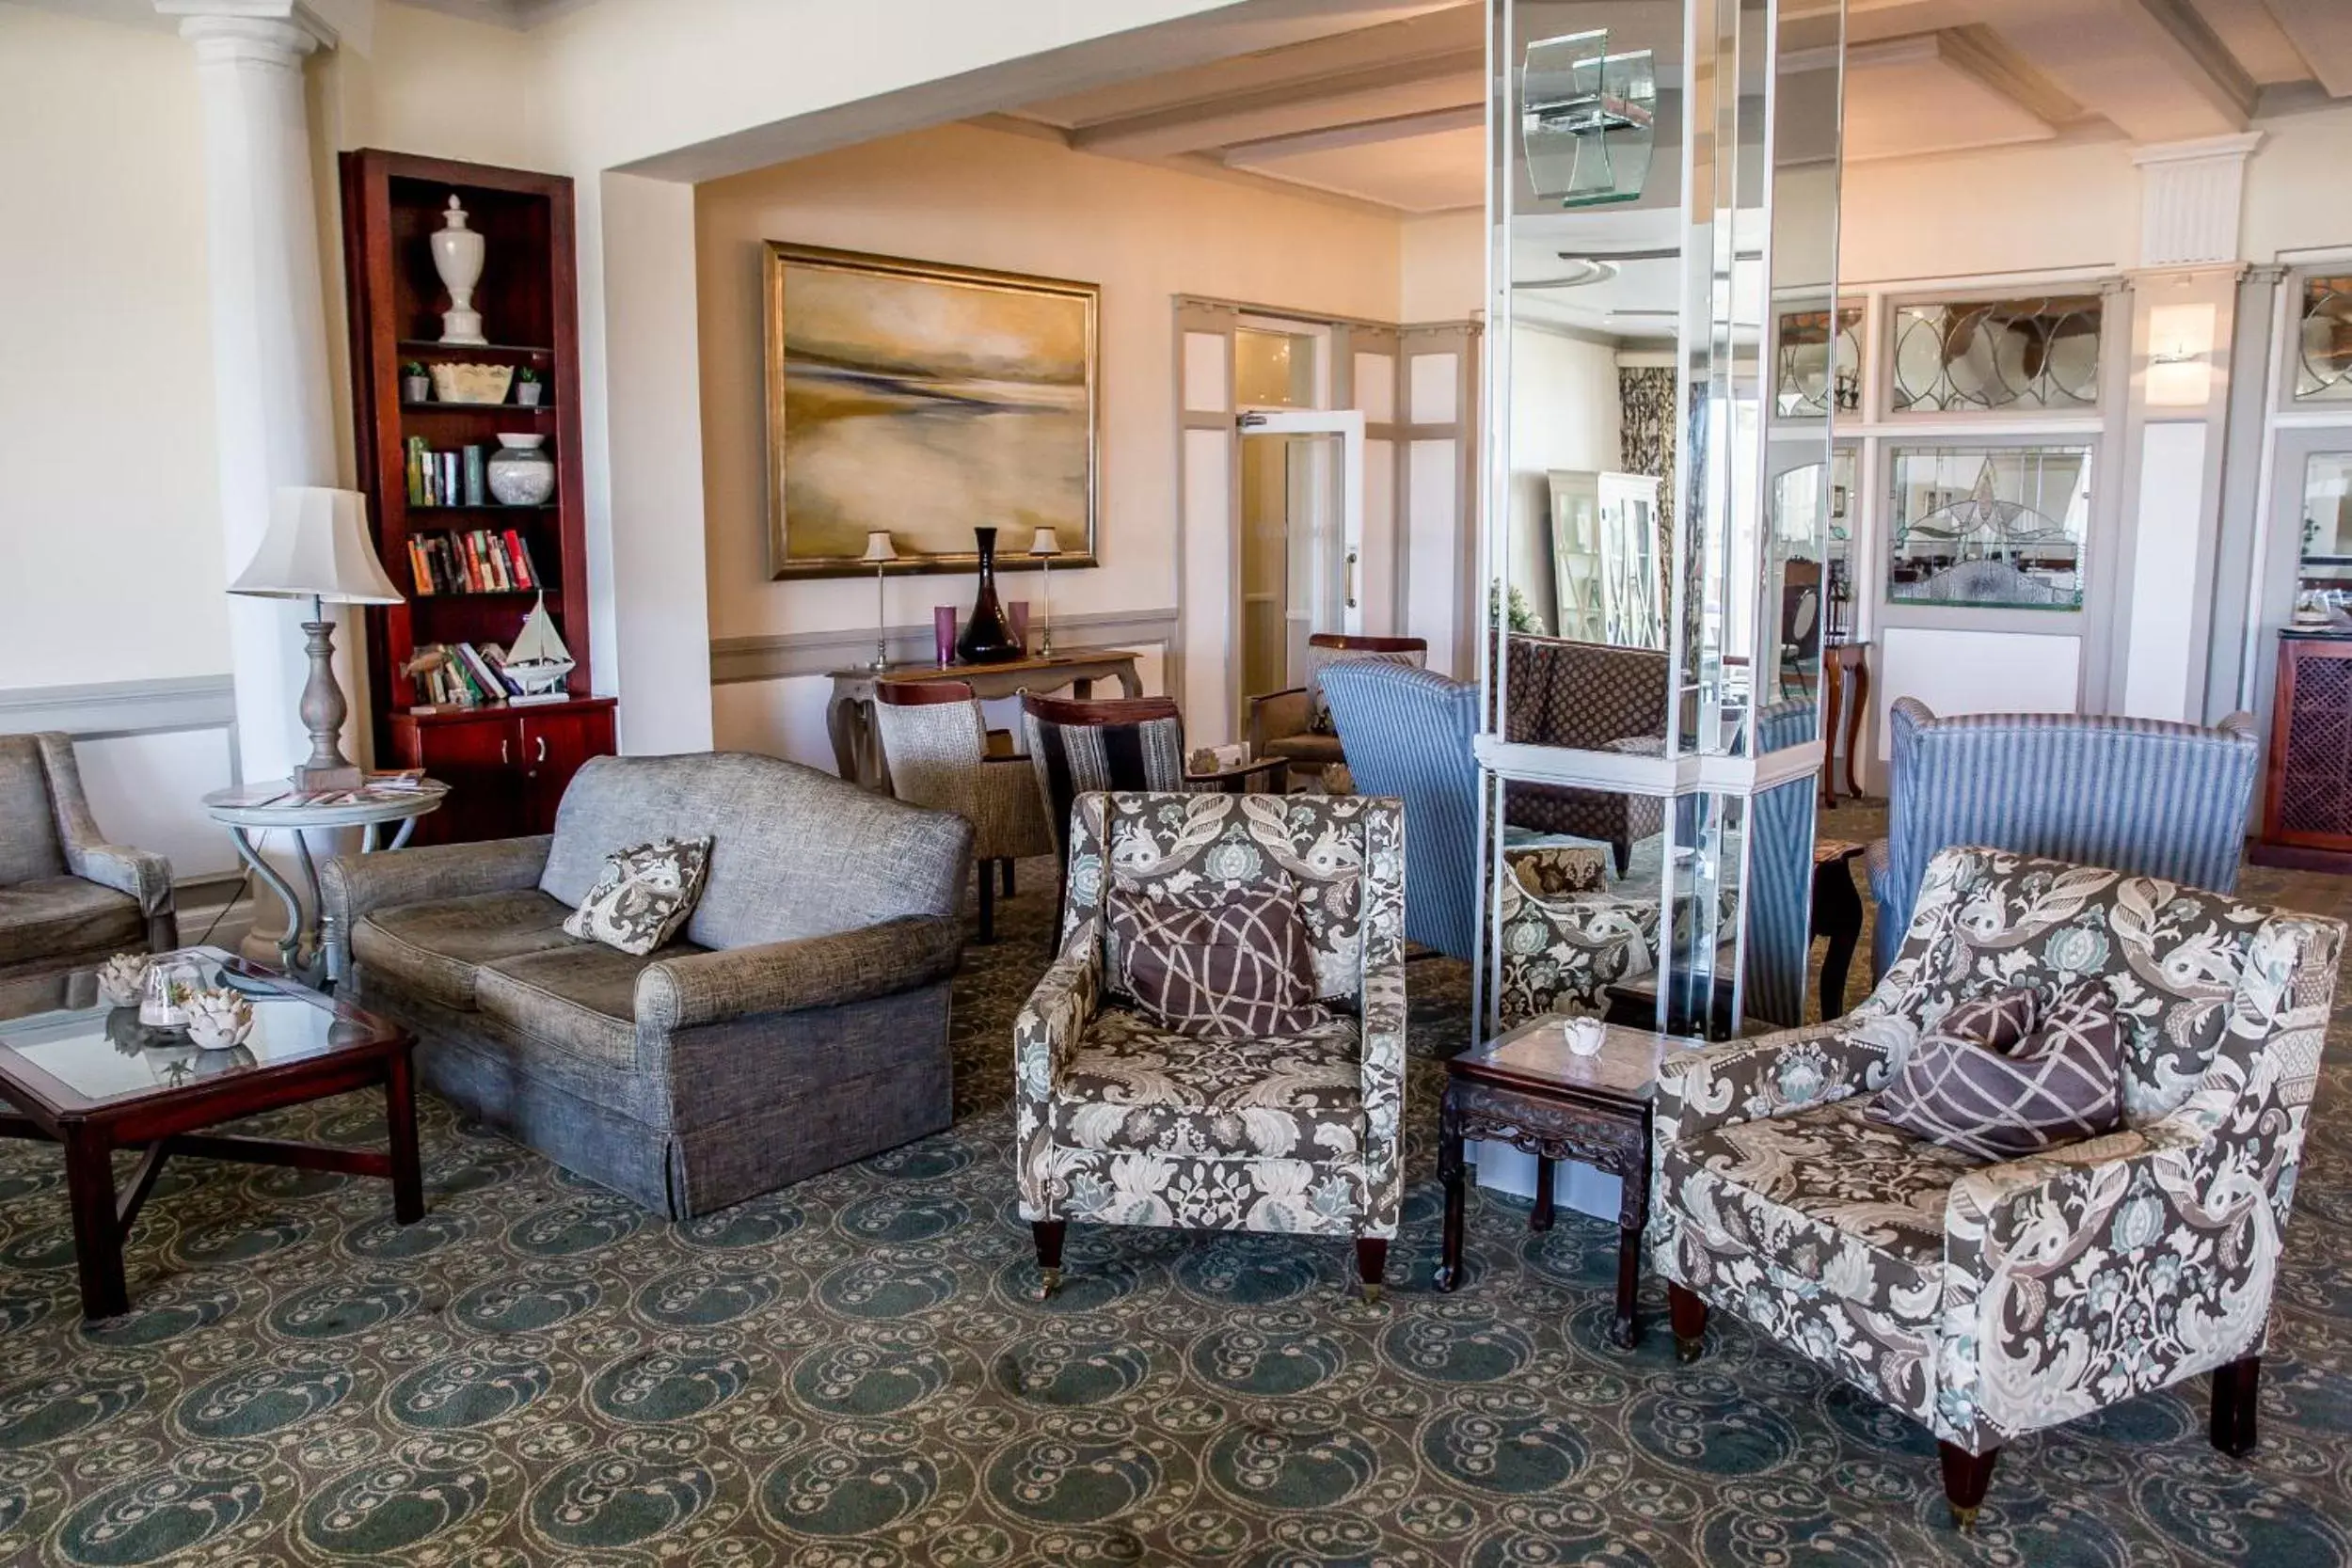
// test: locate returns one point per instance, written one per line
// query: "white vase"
(520, 474)
(457, 257)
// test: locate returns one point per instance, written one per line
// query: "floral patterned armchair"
(1124, 1123)
(1988, 1301)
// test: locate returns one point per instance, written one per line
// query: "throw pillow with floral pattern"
(643, 894)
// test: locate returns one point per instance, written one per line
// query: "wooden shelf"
(422, 345)
(554, 595)
(436, 406)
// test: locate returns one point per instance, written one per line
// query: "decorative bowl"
(123, 979)
(1586, 1035)
(472, 383)
(219, 1020)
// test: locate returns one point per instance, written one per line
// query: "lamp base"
(312, 779)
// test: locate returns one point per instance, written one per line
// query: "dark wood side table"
(1846, 680)
(1528, 1090)
(1261, 777)
(94, 1079)
(1838, 915)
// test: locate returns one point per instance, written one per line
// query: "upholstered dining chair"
(1297, 724)
(935, 742)
(1077, 745)
(1119, 1122)
(67, 896)
(2133, 794)
(1991, 1300)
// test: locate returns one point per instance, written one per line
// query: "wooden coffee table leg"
(1541, 1217)
(1449, 1172)
(400, 1115)
(89, 1181)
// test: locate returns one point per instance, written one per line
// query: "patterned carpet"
(856, 1371)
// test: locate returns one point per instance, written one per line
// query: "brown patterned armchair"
(1123, 1123)
(1991, 1300)
(1594, 698)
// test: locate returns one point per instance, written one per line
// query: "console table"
(850, 714)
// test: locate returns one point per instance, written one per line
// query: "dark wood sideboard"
(2307, 790)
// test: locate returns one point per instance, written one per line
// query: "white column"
(271, 390)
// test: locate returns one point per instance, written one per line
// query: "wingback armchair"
(1407, 735)
(1120, 1122)
(67, 896)
(2136, 795)
(1991, 1300)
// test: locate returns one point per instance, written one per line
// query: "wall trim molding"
(736, 660)
(106, 708)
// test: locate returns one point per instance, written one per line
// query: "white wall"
(1565, 414)
(1443, 267)
(110, 536)
(1015, 203)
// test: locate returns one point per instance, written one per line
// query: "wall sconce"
(2180, 355)
(1586, 119)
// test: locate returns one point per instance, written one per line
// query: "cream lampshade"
(1045, 544)
(879, 552)
(317, 550)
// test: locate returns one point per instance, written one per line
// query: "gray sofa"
(69, 899)
(800, 1024)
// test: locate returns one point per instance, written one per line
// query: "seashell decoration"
(219, 1020)
(123, 979)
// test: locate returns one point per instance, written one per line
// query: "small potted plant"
(526, 387)
(416, 383)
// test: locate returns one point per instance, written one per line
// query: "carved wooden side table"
(1528, 1090)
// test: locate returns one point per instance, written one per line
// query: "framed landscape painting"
(928, 401)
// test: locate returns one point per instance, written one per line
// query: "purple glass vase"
(1017, 616)
(944, 633)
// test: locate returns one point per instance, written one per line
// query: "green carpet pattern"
(857, 1372)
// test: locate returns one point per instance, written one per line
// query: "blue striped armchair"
(2138, 795)
(1407, 734)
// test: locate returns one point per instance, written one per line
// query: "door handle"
(542, 750)
(1349, 584)
(504, 758)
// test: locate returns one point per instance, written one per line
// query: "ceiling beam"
(1350, 97)
(2152, 67)
(2321, 31)
(1984, 54)
(1364, 133)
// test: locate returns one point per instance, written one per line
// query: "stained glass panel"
(2323, 370)
(1989, 527)
(1820, 369)
(2018, 355)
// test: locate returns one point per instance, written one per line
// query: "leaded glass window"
(1989, 527)
(2014, 355)
(1821, 365)
(2323, 370)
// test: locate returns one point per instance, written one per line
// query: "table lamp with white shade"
(879, 552)
(317, 550)
(1045, 544)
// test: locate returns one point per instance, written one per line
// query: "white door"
(1321, 480)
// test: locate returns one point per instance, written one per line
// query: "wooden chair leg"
(987, 902)
(1006, 863)
(1688, 1314)
(1372, 1263)
(2235, 1388)
(1048, 1235)
(1966, 1478)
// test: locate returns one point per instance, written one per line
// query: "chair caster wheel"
(1372, 1295)
(1049, 1281)
(1688, 1350)
(1965, 1520)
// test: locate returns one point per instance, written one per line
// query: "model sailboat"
(538, 662)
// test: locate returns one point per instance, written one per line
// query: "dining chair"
(936, 744)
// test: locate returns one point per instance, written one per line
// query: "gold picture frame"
(925, 400)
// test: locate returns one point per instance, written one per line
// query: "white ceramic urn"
(457, 257)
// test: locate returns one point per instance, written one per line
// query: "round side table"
(298, 950)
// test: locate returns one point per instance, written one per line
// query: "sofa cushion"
(434, 949)
(795, 852)
(2003, 1077)
(1132, 1086)
(643, 895)
(30, 848)
(1827, 1199)
(65, 915)
(580, 998)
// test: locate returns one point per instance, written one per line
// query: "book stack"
(446, 477)
(468, 675)
(478, 561)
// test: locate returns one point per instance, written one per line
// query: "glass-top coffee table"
(94, 1079)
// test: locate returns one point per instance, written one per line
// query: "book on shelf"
(473, 561)
(465, 674)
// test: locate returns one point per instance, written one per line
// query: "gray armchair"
(67, 896)
(798, 1021)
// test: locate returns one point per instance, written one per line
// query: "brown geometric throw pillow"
(2060, 1082)
(1215, 964)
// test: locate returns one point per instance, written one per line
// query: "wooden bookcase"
(504, 773)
